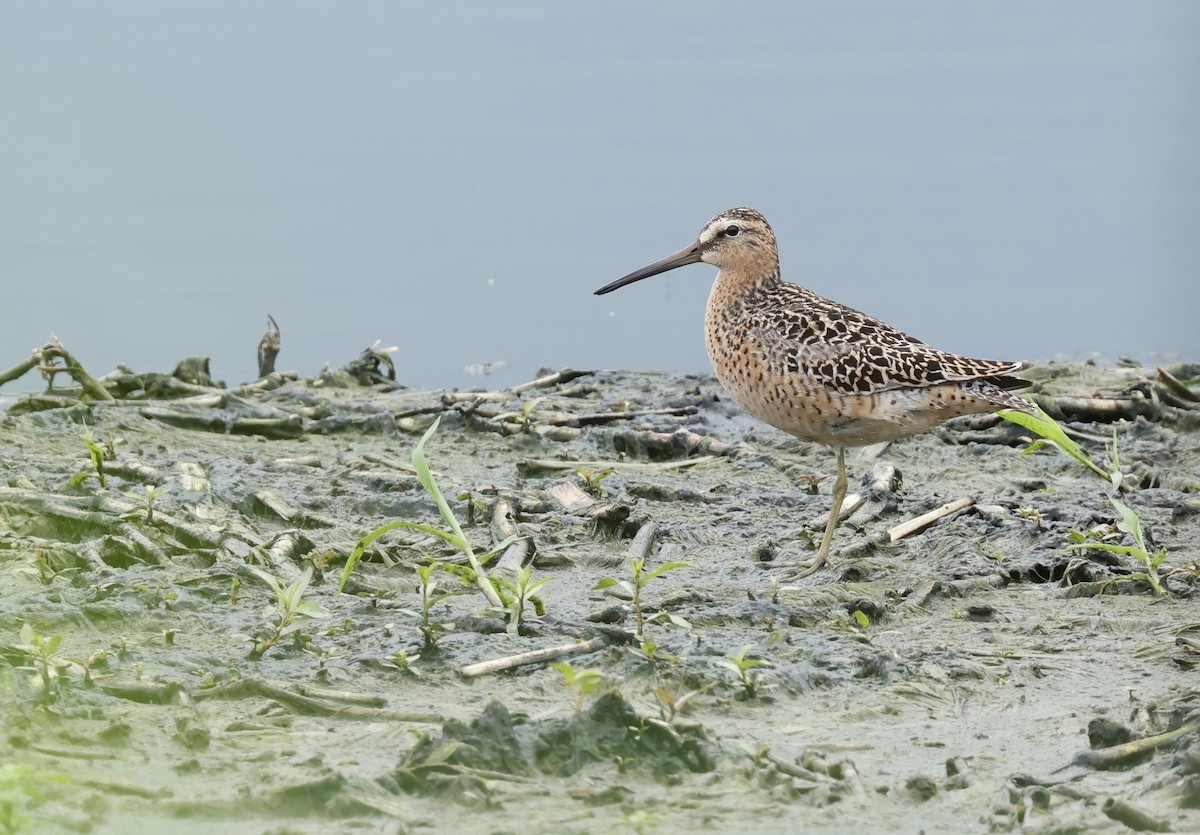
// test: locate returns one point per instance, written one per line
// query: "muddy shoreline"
(953, 680)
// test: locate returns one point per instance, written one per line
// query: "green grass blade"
(1130, 522)
(1046, 427)
(361, 548)
(663, 569)
(268, 578)
(425, 476)
(431, 487)
(1123, 550)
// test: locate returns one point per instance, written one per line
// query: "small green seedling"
(146, 500)
(1131, 524)
(404, 661)
(634, 589)
(671, 701)
(748, 677)
(1031, 515)
(43, 565)
(97, 454)
(476, 507)
(527, 407)
(579, 682)
(41, 653)
(291, 611)
(639, 821)
(522, 590)
(649, 650)
(591, 480)
(427, 586)
(454, 536)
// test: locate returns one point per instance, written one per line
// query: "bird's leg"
(839, 495)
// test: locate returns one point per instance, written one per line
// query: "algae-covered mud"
(164, 667)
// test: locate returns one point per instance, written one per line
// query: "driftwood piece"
(880, 482)
(1116, 756)
(850, 505)
(923, 521)
(286, 426)
(107, 512)
(268, 348)
(643, 541)
(571, 497)
(41, 403)
(612, 417)
(690, 442)
(1097, 409)
(578, 503)
(374, 365)
(191, 477)
(1172, 391)
(134, 470)
(284, 552)
(307, 705)
(504, 525)
(1177, 387)
(1134, 817)
(566, 375)
(536, 656)
(270, 502)
(196, 371)
(51, 359)
(268, 383)
(512, 423)
(529, 465)
(20, 369)
(470, 402)
(186, 420)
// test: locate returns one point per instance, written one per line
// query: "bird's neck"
(747, 277)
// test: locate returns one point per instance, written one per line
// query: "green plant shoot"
(454, 536)
(1049, 432)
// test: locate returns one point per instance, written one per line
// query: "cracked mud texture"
(944, 682)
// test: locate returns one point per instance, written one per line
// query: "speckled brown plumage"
(817, 369)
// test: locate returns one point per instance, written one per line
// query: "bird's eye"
(732, 231)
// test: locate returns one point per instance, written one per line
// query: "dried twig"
(530, 464)
(46, 360)
(1099, 409)
(504, 525)
(1176, 386)
(564, 376)
(643, 541)
(536, 656)
(1116, 755)
(268, 347)
(309, 706)
(925, 520)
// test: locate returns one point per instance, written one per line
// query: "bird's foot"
(800, 569)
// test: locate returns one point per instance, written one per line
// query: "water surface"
(999, 184)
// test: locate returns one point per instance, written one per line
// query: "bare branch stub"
(268, 348)
(46, 360)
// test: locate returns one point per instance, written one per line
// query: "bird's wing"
(848, 351)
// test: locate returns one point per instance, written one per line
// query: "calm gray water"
(997, 180)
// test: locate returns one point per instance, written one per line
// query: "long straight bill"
(688, 255)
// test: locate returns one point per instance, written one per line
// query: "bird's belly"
(814, 413)
(815, 410)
